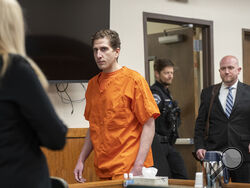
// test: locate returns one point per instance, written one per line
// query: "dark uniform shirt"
(167, 159)
(163, 99)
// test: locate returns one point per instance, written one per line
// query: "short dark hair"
(110, 34)
(160, 64)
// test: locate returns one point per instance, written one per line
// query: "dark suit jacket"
(224, 132)
(27, 121)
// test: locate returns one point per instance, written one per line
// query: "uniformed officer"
(167, 159)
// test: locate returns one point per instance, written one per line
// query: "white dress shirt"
(224, 91)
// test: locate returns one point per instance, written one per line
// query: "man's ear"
(117, 52)
(239, 69)
(157, 75)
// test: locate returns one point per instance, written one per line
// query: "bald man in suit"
(226, 128)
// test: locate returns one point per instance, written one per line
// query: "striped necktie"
(229, 102)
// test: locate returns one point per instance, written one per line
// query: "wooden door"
(183, 86)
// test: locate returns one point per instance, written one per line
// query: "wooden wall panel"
(62, 163)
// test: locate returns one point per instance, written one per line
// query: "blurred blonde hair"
(12, 34)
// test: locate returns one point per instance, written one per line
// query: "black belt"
(162, 138)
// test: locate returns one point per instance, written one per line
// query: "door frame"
(207, 41)
(245, 32)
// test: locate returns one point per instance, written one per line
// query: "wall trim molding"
(77, 132)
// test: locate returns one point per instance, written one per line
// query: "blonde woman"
(27, 118)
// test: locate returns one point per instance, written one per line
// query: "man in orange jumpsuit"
(121, 110)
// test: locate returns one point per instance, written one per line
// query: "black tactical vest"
(169, 120)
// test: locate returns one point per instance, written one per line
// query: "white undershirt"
(224, 91)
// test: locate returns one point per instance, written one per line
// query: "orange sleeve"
(87, 105)
(143, 104)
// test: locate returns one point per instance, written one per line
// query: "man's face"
(229, 70)
(166, 76)
(105, 56)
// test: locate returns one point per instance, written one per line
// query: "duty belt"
(162, 138)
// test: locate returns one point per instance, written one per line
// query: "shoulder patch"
(157, 98)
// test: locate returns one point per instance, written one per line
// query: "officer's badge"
(157, 98)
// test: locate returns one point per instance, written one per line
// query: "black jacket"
(27, 121)
(224, 132)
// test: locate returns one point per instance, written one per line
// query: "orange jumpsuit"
(118, 104)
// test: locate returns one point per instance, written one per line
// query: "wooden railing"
(174, 182)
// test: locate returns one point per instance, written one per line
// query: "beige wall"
(75, 120)
(228, 16)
